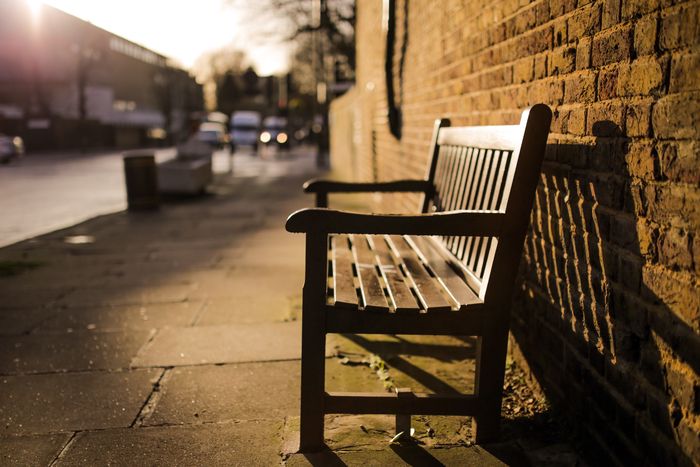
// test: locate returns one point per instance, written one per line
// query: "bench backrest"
(488, 168)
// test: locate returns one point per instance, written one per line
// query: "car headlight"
(282, 138)
(265, 137)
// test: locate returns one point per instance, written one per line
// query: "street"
(41, 193)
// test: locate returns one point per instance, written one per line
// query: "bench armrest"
(323, 187)
(477, 223)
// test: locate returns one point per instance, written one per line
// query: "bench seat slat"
(455, 285)
(372, 293)
(402, 299)
(344, 293)
(427, 288)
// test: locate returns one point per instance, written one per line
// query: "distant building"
(65, 82)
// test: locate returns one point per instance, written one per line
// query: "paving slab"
(185, 258)
(15, 321)
(258, 280)
(429, 364)
(33, 297)
(75, 351)
(31, 450)
(278, 247)
(128, 295)
(121, 317)
(222, 344)
(251, 308)
(212, 393)
(144, 272)
(73, 401)
(231, 444)
(398, 455)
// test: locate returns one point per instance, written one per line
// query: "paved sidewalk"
(173, 338)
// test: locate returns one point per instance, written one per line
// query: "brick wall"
(607, 311)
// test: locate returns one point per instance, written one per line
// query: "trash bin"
(141, 177)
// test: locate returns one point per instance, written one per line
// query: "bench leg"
(490, 373)
(313, 345)
(312, 386)
(488, 425)
(403, 421)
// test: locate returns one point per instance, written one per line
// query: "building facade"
(65, 82)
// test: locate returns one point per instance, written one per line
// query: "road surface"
(41, 193)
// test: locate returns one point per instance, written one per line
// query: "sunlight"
(179, 30)
(35, 7)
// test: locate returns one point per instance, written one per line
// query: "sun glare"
(185, 29)
(35, 6)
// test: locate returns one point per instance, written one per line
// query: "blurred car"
(10, 147)
(245, 128)
(213, 134)
(274, 131)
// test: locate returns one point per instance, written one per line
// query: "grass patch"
(14, 268)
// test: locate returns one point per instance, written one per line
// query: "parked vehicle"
(245, 128)
(274, 131)
(213, 134)
(10, 147)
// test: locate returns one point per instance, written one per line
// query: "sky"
(179, 29)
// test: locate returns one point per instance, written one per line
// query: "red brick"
(606, 119)
(645, 35)
(611, 13)
(641, 77)
(607, 83)
(535, 42)
(677, 116)
(550, 91)
(680, 27)
(676, 292)
(542, 12)
(562, 60)
(675, 249)
(683, 383)
(579, 88)
(523, 70)
(673, 204)
(612, 46)
(696, 261)
(680, 161)
(583, 53)
(685, 72)
(634, 8)
(689, 436)
(540, 66)
(560, 7)
(647, 235)
(642, 160)
(525, 20)
(638, 119)
(584, 22)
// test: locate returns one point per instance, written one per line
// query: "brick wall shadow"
(609, 351)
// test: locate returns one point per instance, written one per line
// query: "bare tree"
(212, 68)
(296, 21)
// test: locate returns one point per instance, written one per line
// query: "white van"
(245, 128)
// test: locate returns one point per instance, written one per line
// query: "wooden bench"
(447, 271)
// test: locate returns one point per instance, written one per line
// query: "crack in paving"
(151, 401)
(64, 449)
